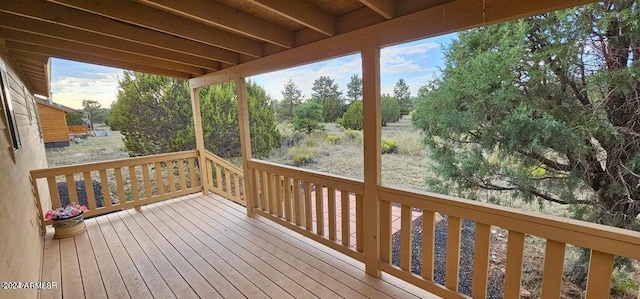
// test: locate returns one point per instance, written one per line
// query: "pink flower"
(48, 215)
(83, 208)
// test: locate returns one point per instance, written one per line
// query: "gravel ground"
(495, 286)
(82, 193)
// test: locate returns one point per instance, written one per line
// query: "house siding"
(54, 124)
(21, 243)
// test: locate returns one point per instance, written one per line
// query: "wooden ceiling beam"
(34, 58)
(27, 66)
(30, 38)
(18, 49)
(219, 15)
(141, 15)
(71, 34)
(452, 17)
(302, 13)
(385, 8)
(62, 15)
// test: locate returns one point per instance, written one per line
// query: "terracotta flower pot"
(69, 227)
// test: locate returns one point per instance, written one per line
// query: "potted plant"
(67, 220)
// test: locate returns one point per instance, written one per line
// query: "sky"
(417, 63)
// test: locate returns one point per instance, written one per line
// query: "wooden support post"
(197, 124)
(372, 178)
(245, 144)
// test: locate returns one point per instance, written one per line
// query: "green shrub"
(334, 139)
(390, 110)
(302, 154)
(307, 117)
(352, 119)
(389, 146)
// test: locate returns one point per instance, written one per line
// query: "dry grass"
(92, 149)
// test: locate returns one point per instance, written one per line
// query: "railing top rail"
(62, 170)
(579, 233)
(221, 161)
(342, 183)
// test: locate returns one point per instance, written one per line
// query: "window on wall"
(7, 107)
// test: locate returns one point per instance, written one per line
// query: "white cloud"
(70, 91)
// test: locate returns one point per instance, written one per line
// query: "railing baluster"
(599, 279)
(120, 186)
(88, 186)
(53, 192)
(273, 187)
(146, 177)
(192, 172)
(159, 179)
(287, 199)
(513, 271)
(553, 269)
(481, 260)
(406, 232)
(208, 181)
(308, 221)
(71, 188)
(319, 210)
(331, 198)
(227, 180)
(264, 185)
(345, 210)
(218, 177)
(171, 176)
(279, 199)
(428, 243)
(453, 253)
(181, 175)
(106, 192)
(297, 204)
(359, 223)
(385, 231)
(133, 178)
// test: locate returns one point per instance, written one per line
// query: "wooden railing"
(224, 178)
(120, 184)
(604, 242)
(298, 198)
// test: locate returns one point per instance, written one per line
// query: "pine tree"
(402, 94)
(354, 88)
(291, 97)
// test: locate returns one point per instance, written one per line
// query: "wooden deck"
(203, 247)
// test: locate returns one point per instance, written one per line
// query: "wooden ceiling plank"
(30, 38)
(86, 37)
(58, 14)
(141, 15)
(385, 8)
(452, 16)
(219, 15)
(302, 13)
(32, 50)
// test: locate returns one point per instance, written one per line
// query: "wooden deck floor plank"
(152, 278)
(246, 278)
(304, 276)
(91, 277)
(326, 280)
(176, 282)
(332, 267)
(326, 258)
(51, 267)
(113, 283)
(205, 246)
(130, 275)
(71, 278)
(257, 257)
(210, 282)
